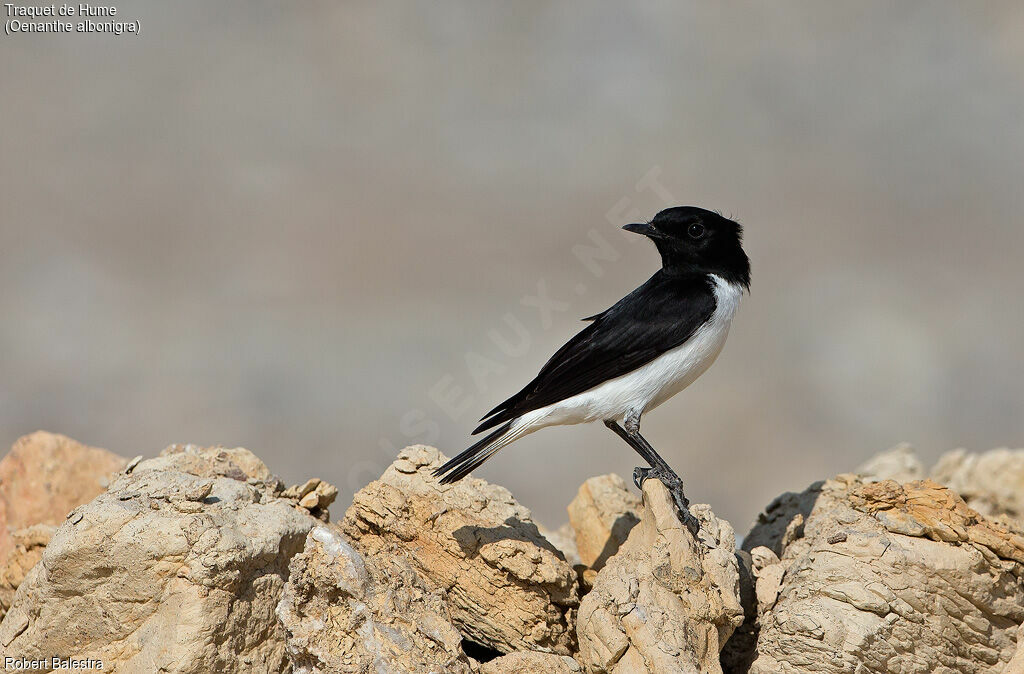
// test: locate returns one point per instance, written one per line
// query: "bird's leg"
(659, 468)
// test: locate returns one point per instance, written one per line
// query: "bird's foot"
(675, 487)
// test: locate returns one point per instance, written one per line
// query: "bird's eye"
(696, 230)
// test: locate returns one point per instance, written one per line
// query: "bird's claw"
(675, 487)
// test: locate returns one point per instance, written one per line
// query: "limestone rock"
(899, 463)
(991, 482)
(507, 587)
(44, 477)
(177, 567)
(28, 548)
(666, 602)
(314, 495)
(564, 540)
(531, 662)
(888, 577)
(602, 515)
(344, 615)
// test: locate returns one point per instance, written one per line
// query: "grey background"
(281, 225)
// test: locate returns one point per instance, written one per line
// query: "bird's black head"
(691, 239)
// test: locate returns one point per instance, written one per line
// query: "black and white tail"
(471, 459)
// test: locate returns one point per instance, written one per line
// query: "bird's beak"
(641, 228)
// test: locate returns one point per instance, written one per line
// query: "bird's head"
(692, 239)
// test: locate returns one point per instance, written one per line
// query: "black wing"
(656, 317)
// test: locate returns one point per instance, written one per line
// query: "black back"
(658, 316)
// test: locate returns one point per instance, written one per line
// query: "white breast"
(648, 386)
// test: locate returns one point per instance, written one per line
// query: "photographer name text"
(54, 663)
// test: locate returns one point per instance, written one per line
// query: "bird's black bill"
(641, 228)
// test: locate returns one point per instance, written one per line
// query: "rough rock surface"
(29, 544)
(602, 514)
(667, 602)
(531, 662)
(991, 482)
(507, 587)
(45, 476)
(885, 577)
(177, 567)
(344, 615)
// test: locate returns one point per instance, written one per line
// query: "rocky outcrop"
(507, 587)
(666, 602)
(991, 482)
(899, 463)
(344, 615)
(42, 478)
(601, 516)
(200, 560)
(177, 567)
(531, 662)
(29, 544)
(884, 577)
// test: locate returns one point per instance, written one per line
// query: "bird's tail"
(469, 460)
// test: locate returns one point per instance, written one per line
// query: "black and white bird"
(649, 346)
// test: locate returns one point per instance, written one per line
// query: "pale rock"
(991, 482)
(899, 463)
(176, 568)
(343, 615)
(531, 662)
(889, 577)
(506, 586)
(44, 477)
(564, 540)
(667, 601)
(602, 514)
(29, 544)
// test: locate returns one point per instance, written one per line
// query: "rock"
(899, 463)
(344, 615)
(177, 567)
(564, 540)
(602, 515)
(531, 662)
(991, 482)
(236, 463)
(888, 577)
(28, 549)
(44, 477)
(315, 496)
(666, 602)
(507, 587)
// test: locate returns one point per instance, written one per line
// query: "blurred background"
(328, 230)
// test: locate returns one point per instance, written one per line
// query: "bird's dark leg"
(659, 468)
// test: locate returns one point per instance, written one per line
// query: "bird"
(632, 357)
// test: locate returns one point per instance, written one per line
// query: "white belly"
(652, 384)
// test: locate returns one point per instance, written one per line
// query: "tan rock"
(28, 549)
(564, 540)
(899, 463)
(890, 577)
(344, 615)
(531, 662)
(991, 482)
(44, 477)
(602, 515)
(507, 587)
(236, 463)
(666, 602)
(177, 567)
